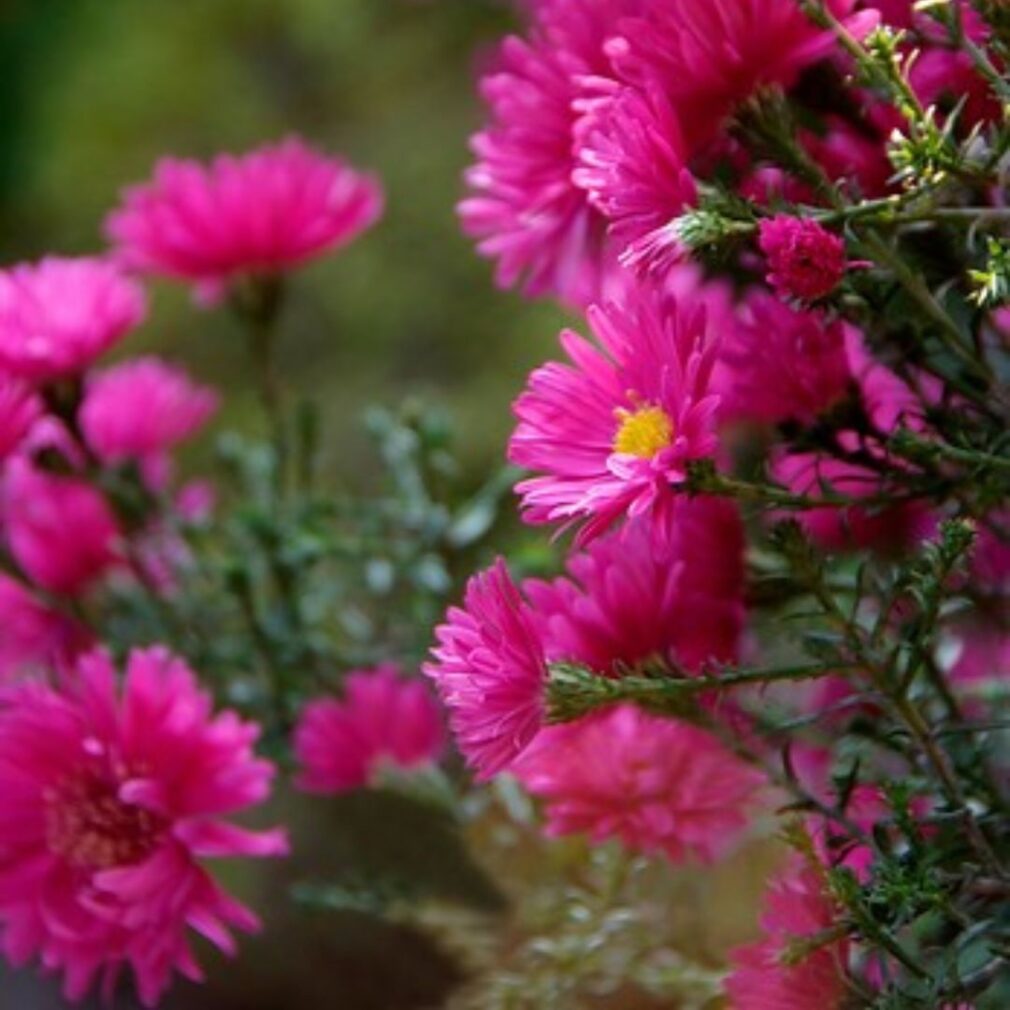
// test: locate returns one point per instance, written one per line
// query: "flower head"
(631, 596)
(613, 432)
(60, 530)
(114, 793)
(772, 974)
(779, 363)
(383, 720)
(490, 670)
(58, 315)
(659, 786)
(259, 213)
(141, 409)
(804, 259)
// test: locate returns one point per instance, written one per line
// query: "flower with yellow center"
(643, 432)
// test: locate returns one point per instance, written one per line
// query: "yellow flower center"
(643, 432)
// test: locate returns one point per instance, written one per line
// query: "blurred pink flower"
(612, 433)
(631, 596)
(383, 721)
(710, 57)
(658, 785)
(779, 364)
(490, 670)
(112, 796)
(58, 315)
(805, 260)
(33, 637)
(258, 213)
(763, 977)
(20, 408)
(60, 530)
(139, 410)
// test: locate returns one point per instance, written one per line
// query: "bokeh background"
(94, 91)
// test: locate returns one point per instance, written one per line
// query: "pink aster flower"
(657, 785)
(613, 432)
(34, 638)
(383, 721)
(632, 163)
(253, 214)
(141, 409)
(522, 205)
(778, 363)
(20, 408)
(630, 597)
(764, 976)
(490, 670)
(114, 793)
(804, 259)
(710, 57)
(58, 315)
(60, 530)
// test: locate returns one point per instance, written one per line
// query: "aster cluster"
(783, 223)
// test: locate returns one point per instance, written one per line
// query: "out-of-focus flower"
(112, 796)
(255, 214)
(33, 637)
(383, 722)
(58, 315)
(766, 975)
(139, 410)
(60, 529)
(805, 260)
(631, 596)
(20, 408)
(658, 785)
(877, 524)
(490, 670)
(612, 433)
(711, 57)
(779, 364)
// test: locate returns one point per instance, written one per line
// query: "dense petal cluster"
(490, 669)
(383, 722)
(612, 434)
(804, 259)
(114, 793)
(259, 213)
(59, 315)
(659, 786)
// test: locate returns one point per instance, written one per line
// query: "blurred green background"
(94, 91)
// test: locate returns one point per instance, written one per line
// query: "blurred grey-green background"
(94, 91)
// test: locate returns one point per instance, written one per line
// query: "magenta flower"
(20, 408)
(259, 213)
(780, 364)
(113, 795)
(490, 670)
(60, 530)
(139, 410)
(632, 164)
(658, 785)
(383, 721)
(804, 259)
(522, 205)
(613, 432)
(58, 315)
(797, 907)
(34, 638)
(710, 57)
(631, 596)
